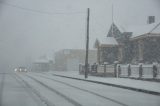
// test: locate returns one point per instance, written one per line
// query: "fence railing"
(141, 71)
(124, 70)
(103, 70)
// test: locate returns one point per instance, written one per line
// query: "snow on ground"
(16, 94)
(47, 94)
(63, 91)
(87, 93)
(147, 85)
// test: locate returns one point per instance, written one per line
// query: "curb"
(143, 79)
(114, 85)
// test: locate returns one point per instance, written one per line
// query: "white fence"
(105, 69)
(147, 70)
(134, 70)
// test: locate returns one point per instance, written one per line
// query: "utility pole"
(87, 45)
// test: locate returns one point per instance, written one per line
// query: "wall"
(69, 59)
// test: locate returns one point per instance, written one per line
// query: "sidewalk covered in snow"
(139, 85)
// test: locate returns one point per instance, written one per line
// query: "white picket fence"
(147, 70)
(109, 69)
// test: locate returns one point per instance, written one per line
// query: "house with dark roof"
(108, 49)
(138, 44)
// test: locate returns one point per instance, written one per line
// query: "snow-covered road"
(37, 89)
(13, 92)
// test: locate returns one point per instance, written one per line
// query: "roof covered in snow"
(136, 32)
(142, 30)
(108, 41)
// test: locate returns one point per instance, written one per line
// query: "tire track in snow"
(75, 103)
(84, 90)
(26, 85)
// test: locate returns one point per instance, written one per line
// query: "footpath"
(125, 83)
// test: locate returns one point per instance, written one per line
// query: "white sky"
(25, 34)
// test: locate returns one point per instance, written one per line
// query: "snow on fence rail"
(147, 70)
(105, 69)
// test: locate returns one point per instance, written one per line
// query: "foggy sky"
(25, 35)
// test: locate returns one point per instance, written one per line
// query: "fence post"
(79, 68)
(119, 70)
(155, 71)
(140, 71)
(129, 70)
(96, 67)
(105, 66)
(115, 68)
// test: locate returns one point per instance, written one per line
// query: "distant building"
(42, 65)
(139, 44)
(69, 59)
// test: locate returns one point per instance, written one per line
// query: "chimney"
(151, 19)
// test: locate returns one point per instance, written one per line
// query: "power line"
(38, 11)
(155, 27)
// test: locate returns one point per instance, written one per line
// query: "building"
(136, 44)
(109, 48)
(42, 65)
(145, 43)
(69, 59)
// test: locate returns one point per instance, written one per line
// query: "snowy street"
(13, 92)
(44, 89)
(80, 53)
